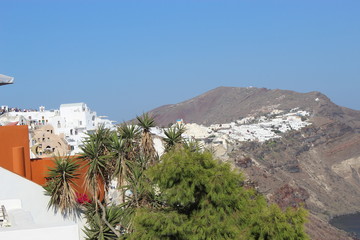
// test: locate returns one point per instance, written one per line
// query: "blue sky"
(126, 57)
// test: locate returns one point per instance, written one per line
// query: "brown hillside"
(226, 104)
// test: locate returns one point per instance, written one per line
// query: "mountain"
(318, 165)
(227, 104)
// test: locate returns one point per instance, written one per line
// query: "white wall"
(50, 233)
(35, 202)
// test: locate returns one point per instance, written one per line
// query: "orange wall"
(40, 167)
(14, 150)
(15, 157)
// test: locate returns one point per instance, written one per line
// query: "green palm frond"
(96, 153)
(96, 228)
(147, 143)
(131, 135)
(193, 145)
(129, 131)
(146, 122)
(173, 137)
(60, 185)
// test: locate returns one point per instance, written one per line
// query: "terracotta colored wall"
(39, 169)
(15, 157)
(41, 166)
(14, 150)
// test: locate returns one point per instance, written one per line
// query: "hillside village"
(253, 128)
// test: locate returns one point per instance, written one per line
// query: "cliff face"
(318, 165)
(323, 161)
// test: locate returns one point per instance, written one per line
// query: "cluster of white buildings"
(72, 122)
(261, 128)
(265, 127)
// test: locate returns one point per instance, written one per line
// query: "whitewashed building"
(73, 121)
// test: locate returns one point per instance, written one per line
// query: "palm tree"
(102, 226)
(173, 137)
(140, 193)
(193, 145)
(120, 163)
(97, 154)
(147, 144)
(130, 134)
(60, 185)
(97, 151)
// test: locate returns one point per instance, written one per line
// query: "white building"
(73, 120)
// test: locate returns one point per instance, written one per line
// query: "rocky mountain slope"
(318, 165)
(227, 104)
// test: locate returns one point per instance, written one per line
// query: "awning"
(6, 79)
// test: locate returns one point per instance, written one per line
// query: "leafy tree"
(203, 199)
(278, 225)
